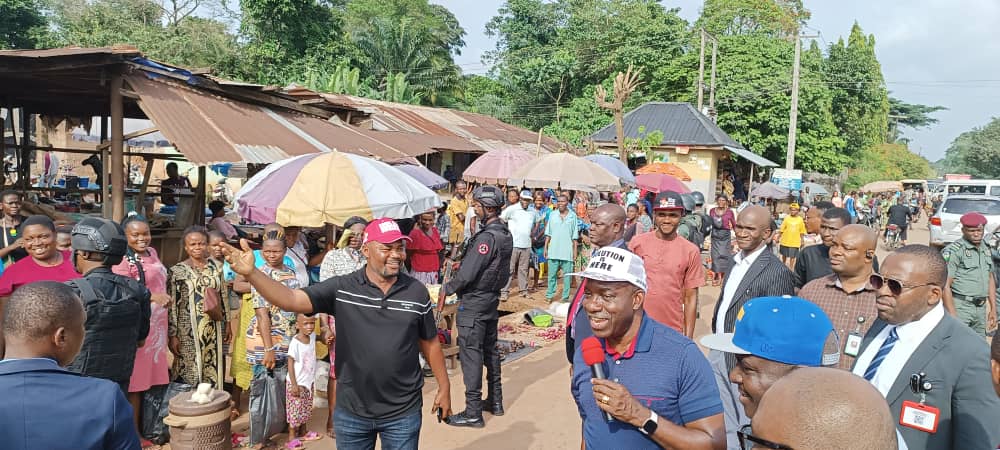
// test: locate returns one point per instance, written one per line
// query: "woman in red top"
(45, 261)
(423, 250)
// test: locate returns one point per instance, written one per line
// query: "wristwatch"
(649, 427)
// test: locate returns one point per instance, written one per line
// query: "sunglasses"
(748, 441)
(896, 287)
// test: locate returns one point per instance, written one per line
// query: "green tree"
(192, 41)
(980, 149)
(911, 115)
(888, 162)
(22, 24)
(776, 18)
(485, 95)
(549, 53)
(284, 38)
(860, 99)
(754, 102)
(409, 37)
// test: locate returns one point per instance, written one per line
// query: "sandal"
(234, 414)
(294, 444)
(331, 432)
(311, 436)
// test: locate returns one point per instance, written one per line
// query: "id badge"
(919, 416)
(852, 345)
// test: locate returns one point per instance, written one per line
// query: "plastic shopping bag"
(267, 405)
(156, 406)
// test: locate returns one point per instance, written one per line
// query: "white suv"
(945, 226)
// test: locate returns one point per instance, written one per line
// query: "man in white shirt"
(520, 219)
(932, 370)
(756, 272)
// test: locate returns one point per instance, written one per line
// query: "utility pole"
(701, 71)
(711, 92)
(794, 113)
(706, 36)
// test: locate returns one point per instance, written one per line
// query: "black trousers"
(477, 346)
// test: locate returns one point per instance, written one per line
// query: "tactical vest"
(112, 327)
(496, 274)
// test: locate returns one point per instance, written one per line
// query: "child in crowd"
(63, 239)
(299, 385)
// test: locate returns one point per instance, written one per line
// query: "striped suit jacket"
(766, 277)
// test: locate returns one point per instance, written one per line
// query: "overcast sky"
(935, 52)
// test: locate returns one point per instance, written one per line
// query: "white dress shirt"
(911, 335)
(741, 265)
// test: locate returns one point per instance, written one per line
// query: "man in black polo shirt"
(814, 261)
(384, 318)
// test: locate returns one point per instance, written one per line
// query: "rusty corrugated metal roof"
(72, 51)
(481, 131)
(207, 128)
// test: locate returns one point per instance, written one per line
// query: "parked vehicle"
(968, 187)
(945, 226)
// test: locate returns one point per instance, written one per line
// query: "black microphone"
(593, 356)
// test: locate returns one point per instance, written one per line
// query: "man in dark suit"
(932, 370)
(42, 404)
(756, 272)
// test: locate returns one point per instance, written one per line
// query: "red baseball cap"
(384, 231)
(973, 219)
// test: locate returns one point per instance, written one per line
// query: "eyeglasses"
(896, 287)
(749, 441)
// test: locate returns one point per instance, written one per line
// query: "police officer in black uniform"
(484, 271)
(117, 307)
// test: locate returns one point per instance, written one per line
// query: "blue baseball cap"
(786, 329)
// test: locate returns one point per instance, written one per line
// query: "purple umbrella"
(423, 175)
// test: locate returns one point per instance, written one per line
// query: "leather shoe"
(465, 419)
(495, 408)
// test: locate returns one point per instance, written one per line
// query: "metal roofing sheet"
(71, 51)
(207, 128)
(430, 121)
(680, 123)
(752, 157)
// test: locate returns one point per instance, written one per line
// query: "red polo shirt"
(671, 266)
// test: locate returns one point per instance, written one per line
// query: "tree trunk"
(620, 136)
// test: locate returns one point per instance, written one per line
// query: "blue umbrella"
(423, 175)
(615, 166)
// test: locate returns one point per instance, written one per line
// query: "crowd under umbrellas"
(284, 312)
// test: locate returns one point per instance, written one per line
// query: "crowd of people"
(813, 342)
(915, 371)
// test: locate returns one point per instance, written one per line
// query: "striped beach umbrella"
(315, 189)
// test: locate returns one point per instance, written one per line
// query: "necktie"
(883, 351)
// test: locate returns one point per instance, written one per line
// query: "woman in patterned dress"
(195, 338)
(347, 258)
(142, 263)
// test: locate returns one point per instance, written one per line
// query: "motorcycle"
(866, 218)
(892, 238)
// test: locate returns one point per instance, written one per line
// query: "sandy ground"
(541, 413)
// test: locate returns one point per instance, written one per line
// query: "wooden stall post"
(140, 202)
(102, 195)
(117, 180)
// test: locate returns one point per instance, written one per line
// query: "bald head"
(852, 251)
(863, 236)
(757, 215)
(818, 407)
(753, 228)
(607, 224)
